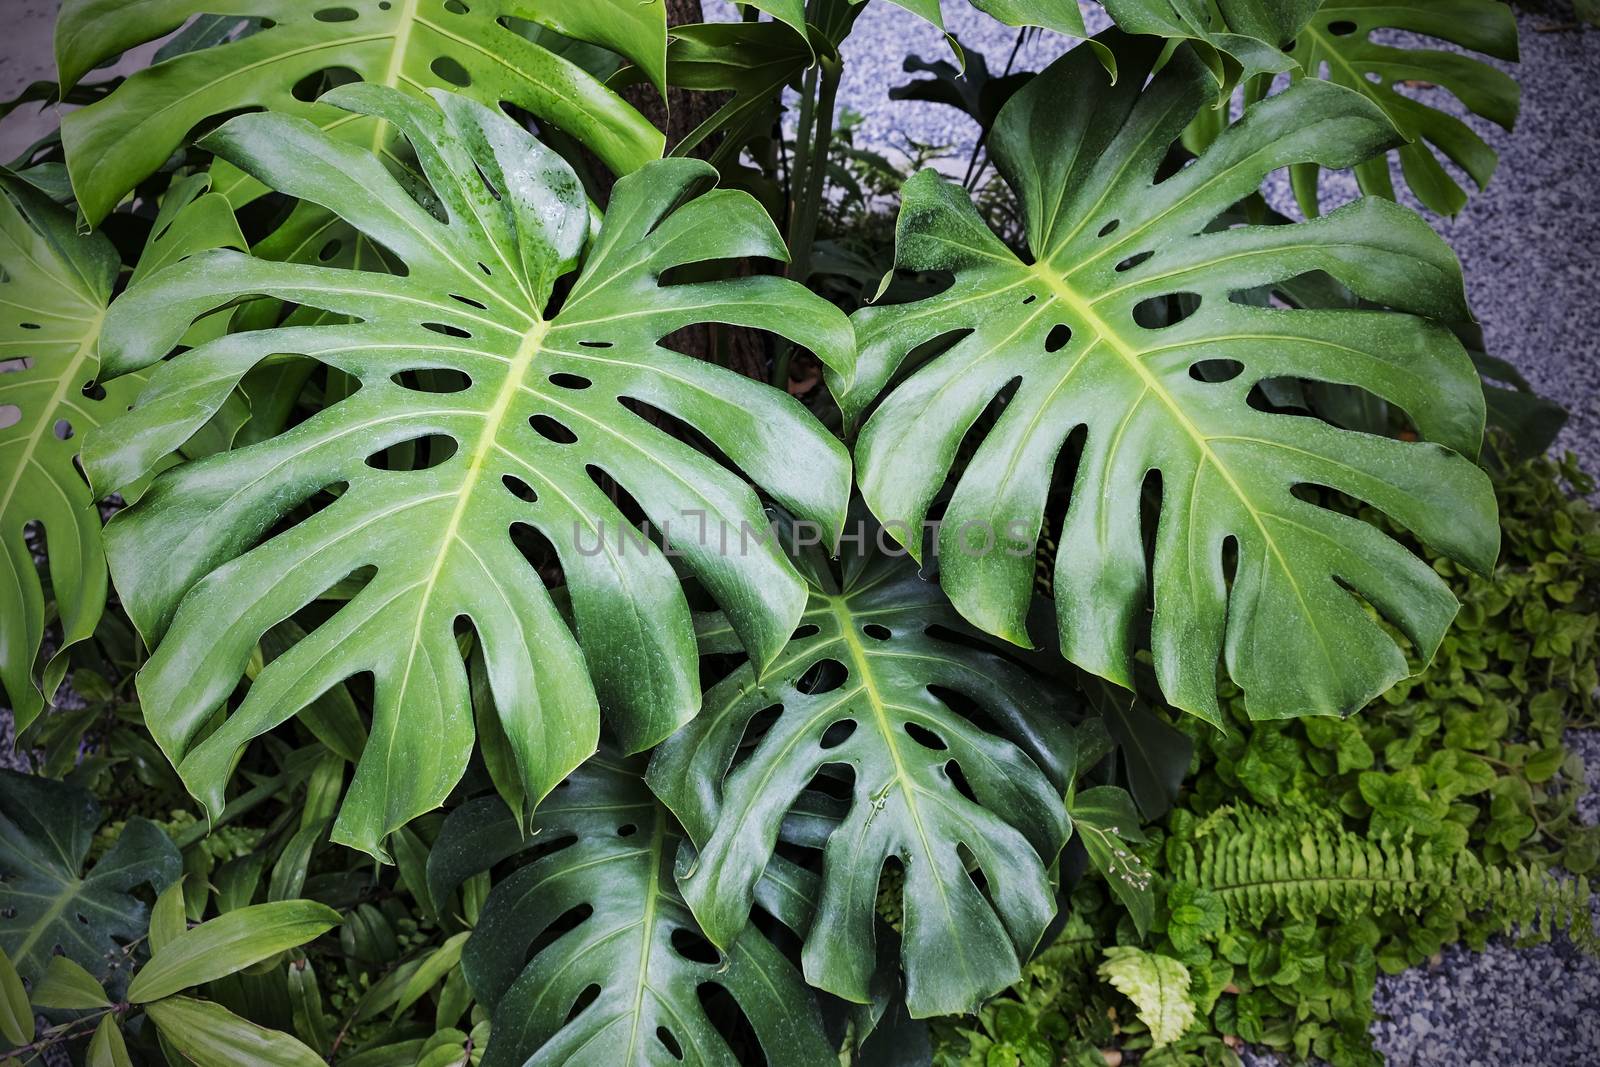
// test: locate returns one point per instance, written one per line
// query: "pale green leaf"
(228, 944)
(1158, 986)
(68, 987)
(107, 1048)
(209, 1035)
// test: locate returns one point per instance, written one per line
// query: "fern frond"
(1304, 865)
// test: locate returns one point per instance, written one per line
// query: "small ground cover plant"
(515, 558)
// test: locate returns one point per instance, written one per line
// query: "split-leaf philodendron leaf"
(869, 685)
(54, 288)
(1338, 45)
(1243, 569)
(412, 45)
(55, 285)
(603, 843)
(521, 405)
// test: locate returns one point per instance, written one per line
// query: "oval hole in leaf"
(837, 733)
(1215, 370)
(824, 676)
(561, 379)
(669, 1042)
(1342, 28)
(418, 454)
(448, 331)
(337, 14)
(925, 737)
(693, 947)
(551, 430)
(451, 71)
(519, 488)
(432, 380)
(1134, 260)
(1060, 334)
(877, 631)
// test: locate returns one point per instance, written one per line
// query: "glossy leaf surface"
(603, 853)
(1403, 80)
(867, 687)
(1243, 570)
(524, 402)
(414, 45)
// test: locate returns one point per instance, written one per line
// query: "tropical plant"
(382, 354)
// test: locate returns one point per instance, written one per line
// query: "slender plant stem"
(970, 181)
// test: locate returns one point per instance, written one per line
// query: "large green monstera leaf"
(55, 285)
(51, 905)
(1338, 45)
(604, 854)
(412, 45)
(870, 684)
(520, 403)
(54, 288)
(1242, 568)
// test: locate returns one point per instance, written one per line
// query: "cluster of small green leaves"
(1457, 784)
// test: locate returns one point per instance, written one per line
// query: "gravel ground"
(1528, 247)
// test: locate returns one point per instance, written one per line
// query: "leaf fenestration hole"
(1109, 228)
(1169, 309)
(563, 380)
(63, 430)
(590, 994)
(418, 454)
(432, 380)
(519, 488)
(1133, 261)
(1342, 28)
(551, 430)
(1060, 334)
(837, 734)
(10, 415)
(693, 947)
(925, 737)
(467, 300)
(824, 676)
(452, 71)
(877, 631)
(594, 344)
(448, 331)
(1215, 370)
(669, 1042)
(337, 14)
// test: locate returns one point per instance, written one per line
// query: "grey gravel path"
(1529, 247)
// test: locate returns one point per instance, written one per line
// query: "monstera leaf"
(1241, 568)
(1339, 42)
(605, 850)
(407, 44)
(870, 685)
(54, 288)
(1250, 32)
(55, 285)
(51, 907)
(519, 404)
